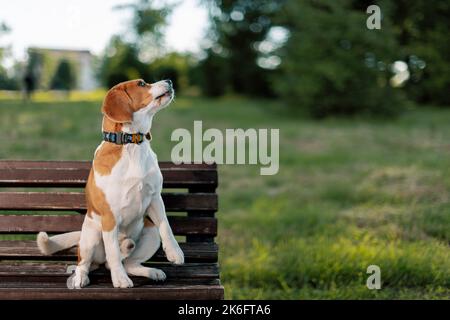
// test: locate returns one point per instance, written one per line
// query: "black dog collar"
(125, 138)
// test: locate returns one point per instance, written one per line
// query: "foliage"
(7, 81)
(64, 77)
(335, 65)
(121, 63)
(174, 66)
(422, 31)
(3, 29)
(129, 56)
(212, 74)
(34, 67)
(231, 61)
(147, 18)
(331, 63)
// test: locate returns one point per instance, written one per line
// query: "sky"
(89, 24)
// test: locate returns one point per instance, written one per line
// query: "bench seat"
(43, 203)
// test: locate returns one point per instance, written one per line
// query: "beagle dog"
(126, 219)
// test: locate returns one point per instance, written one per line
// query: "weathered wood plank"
(27, 250)
(37, 223)
(65, 223)
(77, 177)
(147, 292)
(53, 275)
(64, 164)
(56, 269)
(103, 281)
(75, 201)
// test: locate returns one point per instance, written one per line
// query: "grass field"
(349, 193)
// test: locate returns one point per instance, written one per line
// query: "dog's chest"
(132, 183)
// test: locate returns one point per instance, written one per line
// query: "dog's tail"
(49, 245)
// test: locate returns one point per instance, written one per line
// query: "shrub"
(64, 77)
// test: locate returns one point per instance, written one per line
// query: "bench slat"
(148, 292)
(65, 223)
(77, 177)
(27, 250)
(63, 164)
(75, 201)
(51, 277)
(16, 282)
(59, 269)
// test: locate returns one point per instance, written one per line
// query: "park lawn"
(350, 193)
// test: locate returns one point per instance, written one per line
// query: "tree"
(3, 29)
(129, 55)
(238, 26)
(121, 63)
(174, 66)
(64, 77)
(7, 81)
(212, 74)
(422, 31)
(333, 64)
(33, 72)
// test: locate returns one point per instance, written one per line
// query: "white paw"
(174, 253)
(156, 274)
(120, 279)
(77, 280)
(43, 243)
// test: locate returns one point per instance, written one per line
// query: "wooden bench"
(26, 274)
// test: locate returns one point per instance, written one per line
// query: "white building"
(82, 60)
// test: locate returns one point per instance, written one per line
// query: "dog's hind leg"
(49, 245)
(91, 238)
(146, 247)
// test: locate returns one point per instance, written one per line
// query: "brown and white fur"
(126, 220)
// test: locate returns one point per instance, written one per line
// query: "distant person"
(30, 83)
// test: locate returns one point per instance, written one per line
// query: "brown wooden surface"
(84, 164)
(98, 292)
(76, 177)
(37, 280)
(45, 275)
(55, 270)
(27, 250)
(75, 201)
(64, 223)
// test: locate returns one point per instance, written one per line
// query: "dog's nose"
(169, 82)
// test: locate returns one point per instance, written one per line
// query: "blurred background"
(363, 117)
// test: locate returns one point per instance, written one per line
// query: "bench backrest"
(41, 206)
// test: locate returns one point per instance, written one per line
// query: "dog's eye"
(141, 84)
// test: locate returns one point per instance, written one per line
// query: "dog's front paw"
(120, 279)
(174, 253)
(77, 280)
(156, 274)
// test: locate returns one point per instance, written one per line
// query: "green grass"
(349, 193)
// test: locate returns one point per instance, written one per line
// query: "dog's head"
(126, 98)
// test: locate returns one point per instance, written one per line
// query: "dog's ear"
(117, 106)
